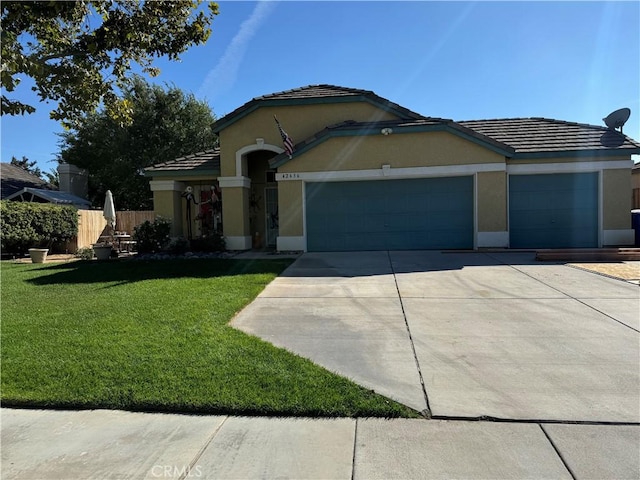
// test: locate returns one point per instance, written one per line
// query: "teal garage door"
(414, 214)
(553, 210)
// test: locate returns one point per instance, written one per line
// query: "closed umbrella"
(109, 212)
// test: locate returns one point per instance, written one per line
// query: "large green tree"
(165, 124)
(80, 53)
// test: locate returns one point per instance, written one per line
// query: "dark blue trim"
(609, 152)
(182, 173)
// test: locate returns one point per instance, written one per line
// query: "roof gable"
(314, 94)
(424, 124)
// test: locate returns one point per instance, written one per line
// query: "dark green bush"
(152, 236)
(24, 225)
(212, 243)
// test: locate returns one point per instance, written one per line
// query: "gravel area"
(629, 271)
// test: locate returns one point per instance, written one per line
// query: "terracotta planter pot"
(38, 255)
(102, 252)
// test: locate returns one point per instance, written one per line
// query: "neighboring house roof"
(14, 178)
(545, 137)
(314, 94)
(28, 194)
(207, 163)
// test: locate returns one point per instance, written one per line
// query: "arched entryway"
(263, 199)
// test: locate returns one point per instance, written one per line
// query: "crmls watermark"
(176, 471)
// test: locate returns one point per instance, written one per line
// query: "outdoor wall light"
(386, 131)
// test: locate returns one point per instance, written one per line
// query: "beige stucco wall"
(492, 201)
(290, 200)
(300, 122)
(616, 199)
(423, 149)
(235, 201)
(167, 204)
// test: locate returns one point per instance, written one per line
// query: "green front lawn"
(154, 336)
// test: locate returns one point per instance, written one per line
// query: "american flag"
(286, 139)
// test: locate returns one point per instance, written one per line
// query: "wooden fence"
(91, 224)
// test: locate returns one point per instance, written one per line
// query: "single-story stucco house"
(369, 174)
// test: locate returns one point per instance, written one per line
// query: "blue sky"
(574, 61)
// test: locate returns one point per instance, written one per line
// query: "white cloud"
(222, 77)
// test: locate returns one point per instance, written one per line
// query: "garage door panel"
(553, 210)
(432, 213)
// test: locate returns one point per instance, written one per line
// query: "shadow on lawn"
(123, 272)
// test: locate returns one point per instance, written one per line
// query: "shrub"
(25, 225)
(178, 245)
(152, 236)
(85, 253)
(212, 243)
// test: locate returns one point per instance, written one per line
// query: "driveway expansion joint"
(560, 456)
(537, 421)
(569, 295)
(198, 455)
(427, 411)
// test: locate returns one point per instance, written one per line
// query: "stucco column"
(235, 212)
(290, 202)
(491, 198)
(616, 208)
(167, 202)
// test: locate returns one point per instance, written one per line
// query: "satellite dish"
(617, 119)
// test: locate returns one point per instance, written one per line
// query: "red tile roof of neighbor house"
(206, 161)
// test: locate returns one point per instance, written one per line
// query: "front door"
(271, 215)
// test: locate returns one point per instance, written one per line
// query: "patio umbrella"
(109, 212)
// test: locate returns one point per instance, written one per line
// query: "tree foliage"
(79, 53)
(31, 166)
(28, 165)
(165, 124)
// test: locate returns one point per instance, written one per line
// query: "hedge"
(24, 225)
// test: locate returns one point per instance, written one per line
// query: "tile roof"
(207, 161)
(316, 91)
(313, 93)
(538, 135)
(15, 178)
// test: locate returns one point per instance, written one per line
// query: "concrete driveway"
(463, 335)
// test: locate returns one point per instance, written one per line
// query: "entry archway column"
(235, 212)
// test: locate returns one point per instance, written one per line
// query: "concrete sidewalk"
(102, 444)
